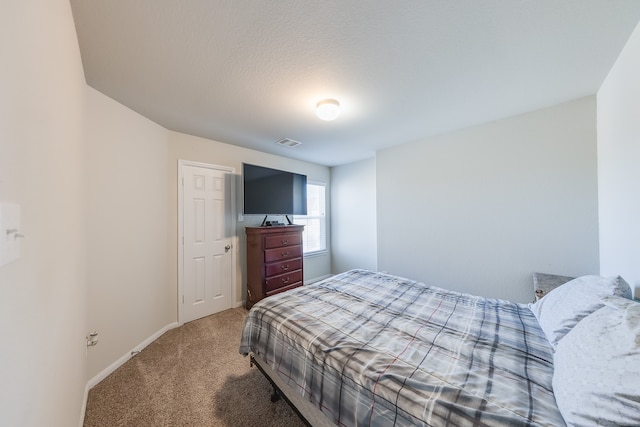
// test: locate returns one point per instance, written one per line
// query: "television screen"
(273, 192)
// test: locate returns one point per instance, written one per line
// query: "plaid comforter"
(371, 349)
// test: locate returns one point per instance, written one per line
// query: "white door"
(206, 224)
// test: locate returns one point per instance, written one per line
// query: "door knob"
(226, 248)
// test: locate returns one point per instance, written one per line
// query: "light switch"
(10, 233)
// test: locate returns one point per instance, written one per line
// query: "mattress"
(373, 349)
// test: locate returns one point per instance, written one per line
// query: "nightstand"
(545, 283)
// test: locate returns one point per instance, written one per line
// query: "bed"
(369, 348)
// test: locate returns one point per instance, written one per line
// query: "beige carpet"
(190, 376)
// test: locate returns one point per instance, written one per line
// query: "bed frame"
(307, 412)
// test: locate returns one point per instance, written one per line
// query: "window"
(314, 236)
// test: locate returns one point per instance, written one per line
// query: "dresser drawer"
(288, 239)
(284, 288)
(280, 254)
(283, 267)
(283, 280)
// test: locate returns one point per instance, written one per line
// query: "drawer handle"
(285, 267)
(284, 242)
(285, 280)
(284, 253)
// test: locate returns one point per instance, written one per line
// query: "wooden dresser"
(274, 260)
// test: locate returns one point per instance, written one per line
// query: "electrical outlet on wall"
(91, 340)
(10, 234)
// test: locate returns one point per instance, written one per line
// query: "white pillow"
(596, 379)
(560, 310)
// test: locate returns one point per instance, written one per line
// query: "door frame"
(234, 238)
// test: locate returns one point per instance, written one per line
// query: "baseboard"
(83, 409)
(115, 365)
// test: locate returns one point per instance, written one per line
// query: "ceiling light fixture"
(328, 109)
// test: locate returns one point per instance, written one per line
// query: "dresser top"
(274, 229)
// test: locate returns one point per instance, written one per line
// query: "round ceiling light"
(328, 109)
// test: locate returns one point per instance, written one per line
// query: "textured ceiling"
(249, 73)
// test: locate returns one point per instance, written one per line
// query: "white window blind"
(314, 236)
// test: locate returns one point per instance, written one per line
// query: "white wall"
(619, 165)
(42, 294)
(187, 147)
(481, 209)
(353, 225)
(131, 174)
(128, 229)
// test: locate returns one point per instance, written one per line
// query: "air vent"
(286, 142)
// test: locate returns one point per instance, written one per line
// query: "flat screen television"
(273, 192)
